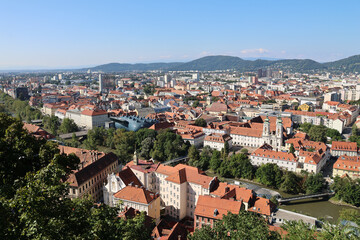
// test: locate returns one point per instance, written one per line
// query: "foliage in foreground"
(245, 225)
(32, 194)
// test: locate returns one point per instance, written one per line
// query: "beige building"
(88, 118)
(140, 199)
(349, 165)
(92, 173)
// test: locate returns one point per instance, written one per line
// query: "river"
(319, 208)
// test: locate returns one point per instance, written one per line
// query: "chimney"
(227, 189)
(136, 186)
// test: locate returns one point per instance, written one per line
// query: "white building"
(255, 136)
(217, 141)
(284, 160)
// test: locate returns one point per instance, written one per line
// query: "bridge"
(179, 159)
(301, 197)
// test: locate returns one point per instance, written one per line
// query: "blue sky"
(52, 34)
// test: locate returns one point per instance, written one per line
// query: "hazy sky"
(53, 34)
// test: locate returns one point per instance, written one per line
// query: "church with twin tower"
(274, 139)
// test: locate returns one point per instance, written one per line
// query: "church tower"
(209, 98)
(266, 127)
(279, 132)
(135, 158)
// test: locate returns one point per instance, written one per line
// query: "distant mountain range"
(212, 63)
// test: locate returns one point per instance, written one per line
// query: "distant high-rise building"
(167, 78)
(101, 85)
(60, 76)
(195, 76)
(254, 80)
(260, 73)
(268, 72)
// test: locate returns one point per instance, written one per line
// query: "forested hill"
(212, 63)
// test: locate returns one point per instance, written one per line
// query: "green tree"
(196, 104)
(305, 127)
(270, 175)
(146, 146)
(291, 183)
(245, 225)
(200, 122)
(205, 158)
(68, 126)
(33, 202)
(298, 230)
(244, 151)
(350, 215)
(314, 183)
(318, 133)
(215, 160)
(239, 166)
(51, 124)
(194, 156)
(347, 190)
(225, 151)
(168, 145)
(124, 145)
(142, 134)
(74, 141)
(292, 149)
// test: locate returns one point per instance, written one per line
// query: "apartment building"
(211, 209)
(349, 165)
(217, 141)
(344, 148)
(312, 155)
(284, 160)
(93, 170)
(329, 120)
(194, 137)
(139, 198)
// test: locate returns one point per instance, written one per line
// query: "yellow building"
(349, 165)
(304, 107)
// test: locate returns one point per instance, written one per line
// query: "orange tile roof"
(136, 194)
(263, 206)
(284, 156)
(244, 131)
(348, 163)
(344, 146)
(215, 208)
(93, 112)
(307, 144)
(221, 138)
